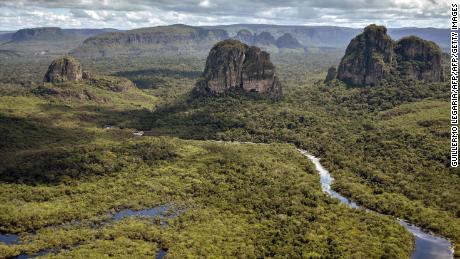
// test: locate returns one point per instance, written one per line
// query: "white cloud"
(127, 14)
(279, 12)
(205, 3)
(98, 15)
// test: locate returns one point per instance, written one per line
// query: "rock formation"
(289, 42)
(373, 56)
(63, 69)
(331, 74)
(419, 59)
(368, 57)
(232, 65)
(68, 69)
(86, 75)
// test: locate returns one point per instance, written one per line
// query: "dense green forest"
(63, 171)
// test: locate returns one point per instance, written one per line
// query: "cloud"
(127, 14)
(205, 3)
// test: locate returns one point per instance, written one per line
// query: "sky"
(129, 14)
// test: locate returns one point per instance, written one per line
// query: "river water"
(427, 246)
(157, 211)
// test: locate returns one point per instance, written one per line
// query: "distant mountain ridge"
(317, 36)
(267, 41)
(439, 36)
(175, 39)
(184, 39)
(5, 36)
(335, 36)
(45, 40)
(52, 33)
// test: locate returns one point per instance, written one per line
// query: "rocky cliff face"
(368, 57)
(419, 59)
(64, 69)
(68, 69)
(373, 56)
(232, 65)
(331, 74)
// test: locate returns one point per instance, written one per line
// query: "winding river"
(427, 246)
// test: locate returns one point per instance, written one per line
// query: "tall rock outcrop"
(331, 74)
(232, 65)
(373, 56)
(64, 69)
(419, 59)
(368, 58)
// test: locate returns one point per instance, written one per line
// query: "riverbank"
(427, 245)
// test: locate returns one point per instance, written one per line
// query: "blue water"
(158, 211)
(26, 256)
(9, 239)
(161, 253)
(427, 246)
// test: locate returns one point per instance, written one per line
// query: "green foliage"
(241, 200)
(384, 145)
(231, 44)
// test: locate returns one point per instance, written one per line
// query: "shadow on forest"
(152, 78)
(25, 138)
(98, 116)
(199, 117)
(34, 151)
(25, 133)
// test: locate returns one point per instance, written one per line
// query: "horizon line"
(217, 25)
